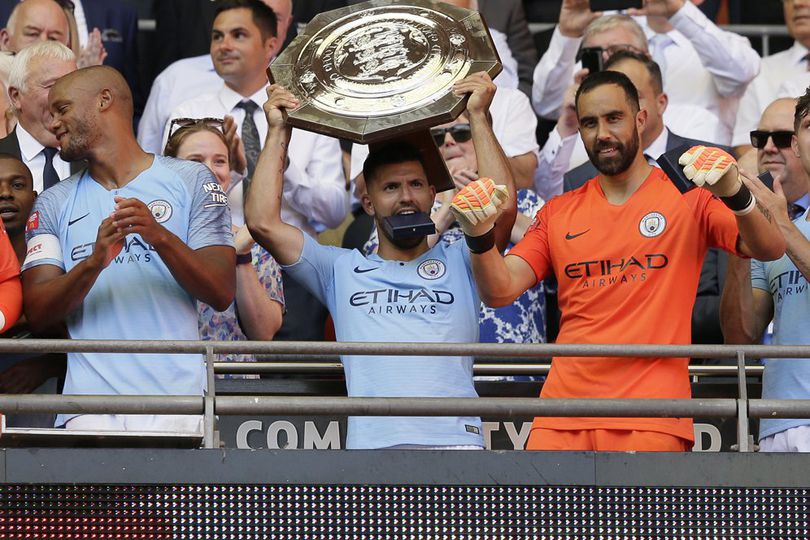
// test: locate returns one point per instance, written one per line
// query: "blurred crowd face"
(31, 103)
(655, 104)
(237, 49)
(612, 39)
(608, 127)
(457, 152)
(16, 195)
(206, 148)
(797, 19)
(35, 20)
(283, 10)
(801, 143)
(781, 161)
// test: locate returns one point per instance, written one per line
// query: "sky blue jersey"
(430, 299)
(136, 296)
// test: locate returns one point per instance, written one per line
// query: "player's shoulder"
(189, 172)
(60, 193)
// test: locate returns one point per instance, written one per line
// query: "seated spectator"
(777, 69)
(758, 292)
(704, 67)
(257, 309)
(24, 373)
(33, 72)
(122, 250)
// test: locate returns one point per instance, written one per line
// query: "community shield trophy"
(385, 69)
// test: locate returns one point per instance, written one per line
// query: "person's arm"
(49, 293)
(259, 315)
(151, 125)
(555, 70)
(263, 208)
(555, 155)
(524, 168)
(206, 273)
(521, 43)
(744, 311)
(729, 57)
(492, 161)
(10, 302)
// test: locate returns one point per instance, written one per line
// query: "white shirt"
(314, 188)
(776, 70)
(508, 78)
(513, 123)
(705, 67)
(33, 156)
(179, 82)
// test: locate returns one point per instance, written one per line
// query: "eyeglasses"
(182, 123)
(459, 132)
(611, 50)
(781, 139)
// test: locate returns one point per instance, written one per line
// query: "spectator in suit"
(191, 77)
(33, 72)
(32, 21)
(704, 67)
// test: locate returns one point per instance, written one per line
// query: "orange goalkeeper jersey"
(626, 274)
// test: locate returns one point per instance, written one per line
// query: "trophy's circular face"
(383, 61)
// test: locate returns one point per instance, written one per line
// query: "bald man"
(32, 21)
(123, 250)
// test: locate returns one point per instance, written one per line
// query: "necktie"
(250, 138)
(49, 176)
(795, 211)
(806, 60)
(651, 160)
(659, 44)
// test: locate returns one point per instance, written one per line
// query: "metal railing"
(211, 405)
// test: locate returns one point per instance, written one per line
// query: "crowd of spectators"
(111, 230)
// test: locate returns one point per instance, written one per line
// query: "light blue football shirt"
(430, 299)
(785, 378)
(136, 297)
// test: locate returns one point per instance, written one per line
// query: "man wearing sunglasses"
(407, 292)
(759, 292)
(773, 140)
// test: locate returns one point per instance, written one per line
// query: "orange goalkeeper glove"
(716, 170)
(477, 207)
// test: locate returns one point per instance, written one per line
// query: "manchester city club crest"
(161, 210)
(431, 269)
(653, 224)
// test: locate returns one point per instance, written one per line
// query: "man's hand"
(481, 89)
(94, 53)
(133, 216)
(109, 243)
(478, 206)
(242, 240)
(712, 168)
(278, 100)
(658, 8)
(462, 177)
(236, 149)
(772, 204)
(575, 16)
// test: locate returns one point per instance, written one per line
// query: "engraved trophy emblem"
(383, 68)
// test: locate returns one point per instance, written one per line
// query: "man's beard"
(616, 165)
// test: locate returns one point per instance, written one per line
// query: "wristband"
(244, 258)
(481, 244)
(742, 202)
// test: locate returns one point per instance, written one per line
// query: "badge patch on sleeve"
(33, 222)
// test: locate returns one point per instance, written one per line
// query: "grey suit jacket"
(509, 17)
(11, 145)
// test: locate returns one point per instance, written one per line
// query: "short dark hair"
(602, 78)
(263, 15)
(389, 154)
(652, 67)
(802, 109)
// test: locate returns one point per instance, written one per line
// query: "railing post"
(209, 420)
(744, 442)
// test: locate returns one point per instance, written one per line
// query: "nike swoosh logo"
(78, 219)
(358, 270)
(569, 236)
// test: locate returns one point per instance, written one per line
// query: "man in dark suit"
(33, 71)
(657, 139)
(509, 18)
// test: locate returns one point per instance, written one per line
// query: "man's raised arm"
(263, 202)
